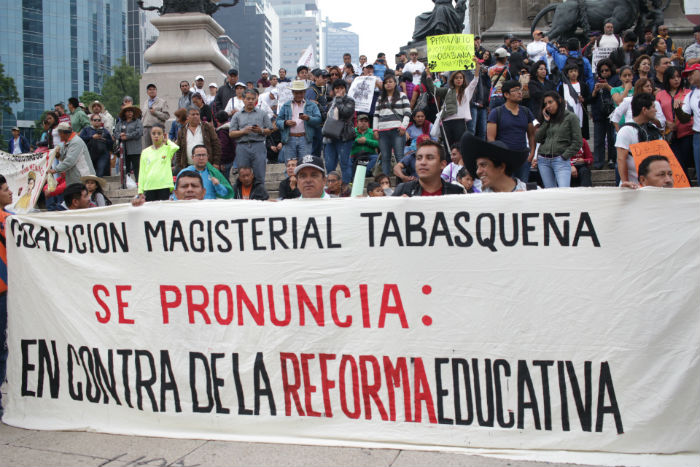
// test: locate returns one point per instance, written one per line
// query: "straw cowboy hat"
(94, 103)
(133, 108)
(101, 181)
(299, 85)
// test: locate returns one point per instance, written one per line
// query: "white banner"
(557, 320)
(362, 90)
(25, 175)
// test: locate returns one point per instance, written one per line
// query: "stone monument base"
(186, 47)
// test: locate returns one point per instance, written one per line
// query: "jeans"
(696, 155)
(683, 150)
(3, 340)
(339, 151)
(388, 140)
(603, 130)
(254, 155)
(316, 144)
(555, 172)
(454, 129)
(226, 169)
(477, 125)
(101, 164)
(523, 173)
(296, 148)
(370, 165)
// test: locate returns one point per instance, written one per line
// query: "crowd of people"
(538, 101)
(520, 119)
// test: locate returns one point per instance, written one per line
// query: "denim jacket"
(311, 126)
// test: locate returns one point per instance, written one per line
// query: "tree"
(8, 95)
(89, 97)
(124, 81)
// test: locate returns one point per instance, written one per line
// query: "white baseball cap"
(213, 85)
(198, 77)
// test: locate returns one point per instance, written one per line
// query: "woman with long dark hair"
(679, 134)
(540, 83)
(602, 105)
(419, 125)
(391, 118)
(50, 135)
(560, 139)
(456, 98)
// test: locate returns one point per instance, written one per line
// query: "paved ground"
(54, 448)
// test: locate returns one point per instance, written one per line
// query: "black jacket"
(618, 57)
(258, 191)
(223, 95)
(286, 192)
(413, 188)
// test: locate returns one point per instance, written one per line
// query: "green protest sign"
(450, 52)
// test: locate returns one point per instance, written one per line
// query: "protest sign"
(284, 95)
(600, 53)
(641, 151)
(362, 91)
(25, 175)
(450, 52)
(557, 320)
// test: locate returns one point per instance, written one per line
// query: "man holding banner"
(74, 158)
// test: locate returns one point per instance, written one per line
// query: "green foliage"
(124, 81)
(89, 97)
(8, 95)
(8, 92)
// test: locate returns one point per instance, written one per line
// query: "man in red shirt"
(5, 200)
(430, 160)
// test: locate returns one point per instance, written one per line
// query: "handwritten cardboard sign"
(641, 151)
(450, 52)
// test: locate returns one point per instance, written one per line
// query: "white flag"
(307, 58)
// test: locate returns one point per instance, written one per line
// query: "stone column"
(186, 47)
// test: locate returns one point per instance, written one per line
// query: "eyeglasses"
(199, 155)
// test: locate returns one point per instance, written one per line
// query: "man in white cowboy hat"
(298, 121)
(414, 67)
(107, 120)
(213, 88)
(74, 158)
(198, 87)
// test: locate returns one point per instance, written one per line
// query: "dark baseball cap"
(314, 162)
(233, 71)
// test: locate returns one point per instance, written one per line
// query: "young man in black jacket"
(430, 161)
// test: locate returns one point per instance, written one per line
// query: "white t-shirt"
(691, 105)
(412, 68)
(573, 101)
(625, 109)
(626, 137)
(537, 50)
(609, 41)
(234, 103)
(193, 139)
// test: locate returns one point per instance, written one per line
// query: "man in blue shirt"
(380, 66)
(572, 45)
(215, 184)
(512, 124)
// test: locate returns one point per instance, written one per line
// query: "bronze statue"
(208, 7)
(445, 18)
(591, 15)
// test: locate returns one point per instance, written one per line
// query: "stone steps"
(276, 173)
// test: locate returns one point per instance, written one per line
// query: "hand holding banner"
(450, 52)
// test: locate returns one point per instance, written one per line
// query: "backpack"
(645, 133)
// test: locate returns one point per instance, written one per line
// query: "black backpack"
(647, 132)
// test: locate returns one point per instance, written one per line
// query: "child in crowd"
(467, 181)
(375, 189)
(385, 183)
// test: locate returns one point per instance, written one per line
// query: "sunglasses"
(96, 120)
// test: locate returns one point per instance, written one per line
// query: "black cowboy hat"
(474, 148)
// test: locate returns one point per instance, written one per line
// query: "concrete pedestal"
(186, 47)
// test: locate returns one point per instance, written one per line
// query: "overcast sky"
(383, 25)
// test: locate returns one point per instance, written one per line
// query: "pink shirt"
(665, 100)
(298, 123)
